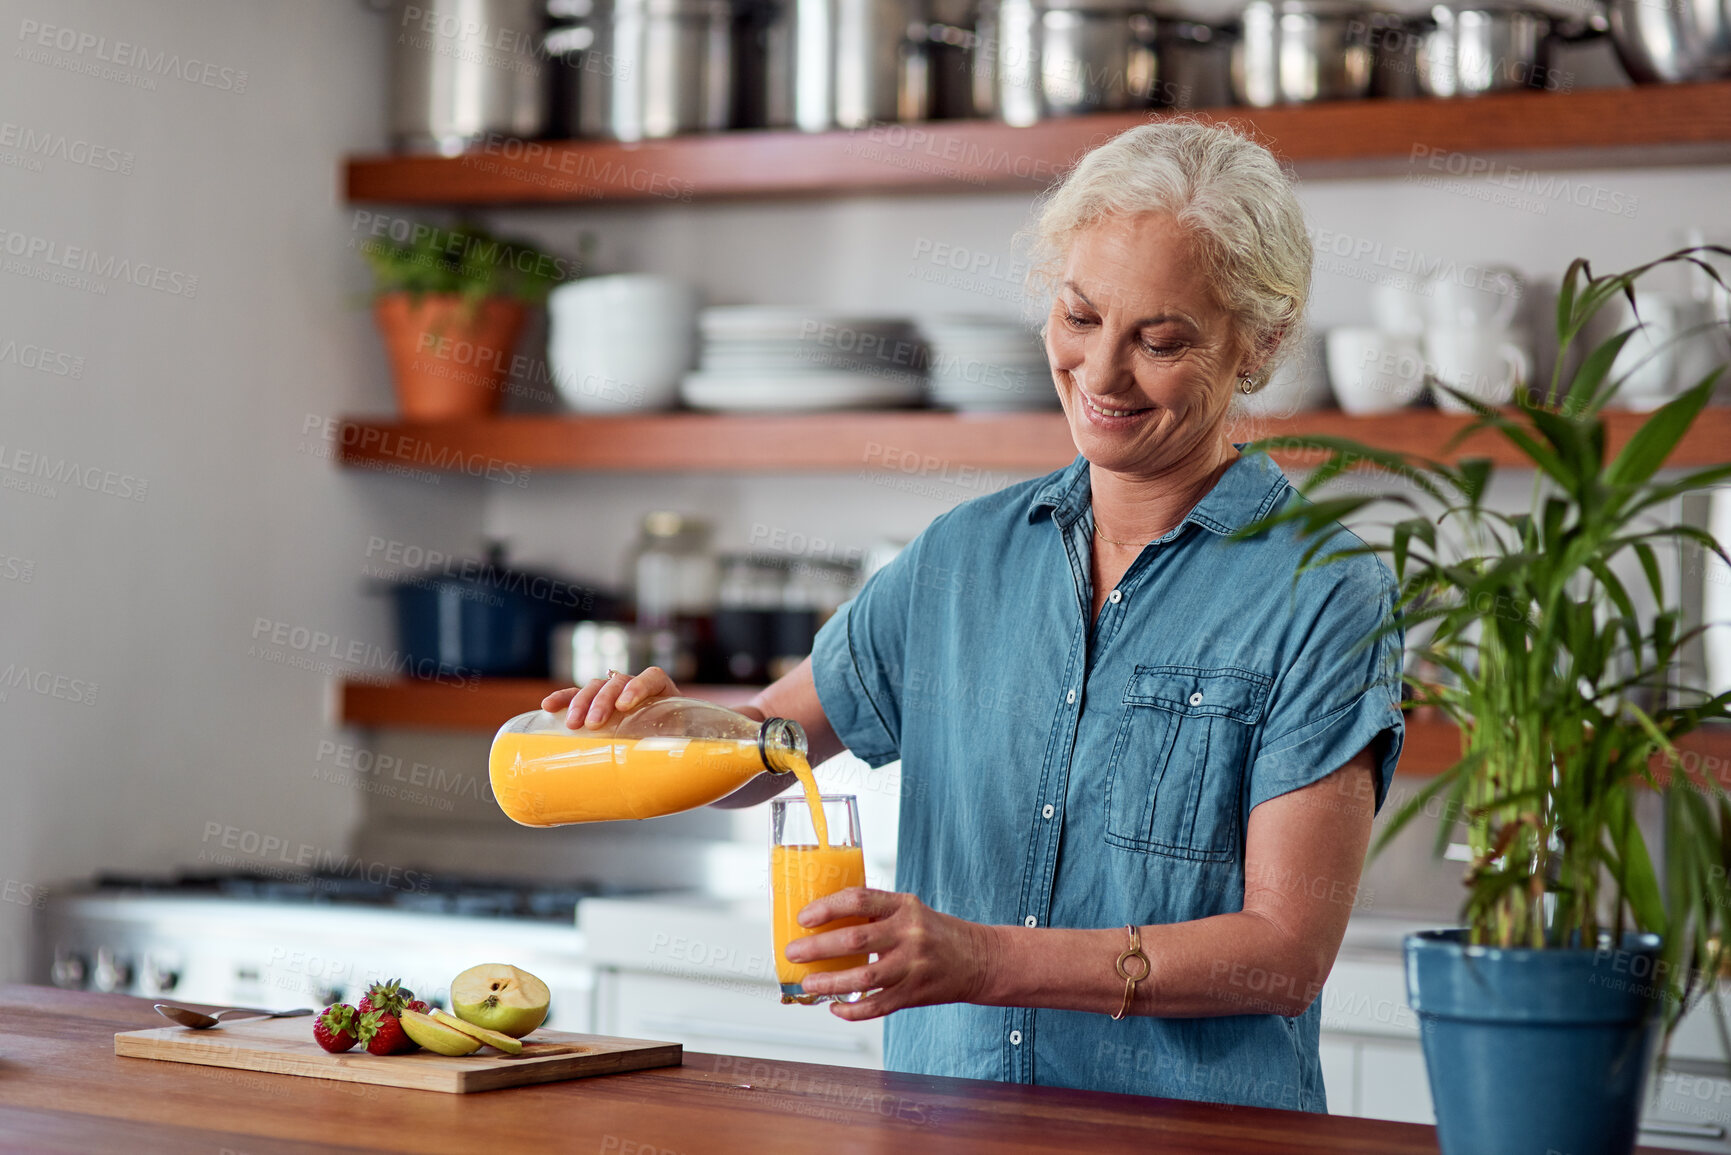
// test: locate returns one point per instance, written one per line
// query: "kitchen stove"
(260, 941)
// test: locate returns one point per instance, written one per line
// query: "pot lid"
(1115, 7)
(1326, 8)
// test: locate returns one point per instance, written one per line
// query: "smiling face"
(1144, 355)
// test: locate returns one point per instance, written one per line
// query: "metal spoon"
(199, 1021)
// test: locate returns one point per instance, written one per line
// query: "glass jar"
(673, 577)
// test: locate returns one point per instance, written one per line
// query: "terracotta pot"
(448, 361)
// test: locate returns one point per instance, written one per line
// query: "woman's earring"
(1247, 383)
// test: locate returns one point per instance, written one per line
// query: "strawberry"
(381, 1033)
(335, 1029)
(389, 996)
(417, 1005)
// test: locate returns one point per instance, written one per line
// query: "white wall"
(205, 397)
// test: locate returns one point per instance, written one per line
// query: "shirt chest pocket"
(1175, 784)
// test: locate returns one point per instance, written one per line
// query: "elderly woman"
(1140, 755)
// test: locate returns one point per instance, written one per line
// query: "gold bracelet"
(1130, 980)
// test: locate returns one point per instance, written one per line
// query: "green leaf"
(1594, 370)
(1658, 435)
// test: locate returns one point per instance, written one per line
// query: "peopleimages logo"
(40, 358)
(44, 471)
(123, 54)
(90, 262)
(40, 145)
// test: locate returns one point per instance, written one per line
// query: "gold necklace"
(1115, 541)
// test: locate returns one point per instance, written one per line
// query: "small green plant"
(1564, 691)
(464, 260)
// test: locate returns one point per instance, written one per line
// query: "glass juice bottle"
(669, 755)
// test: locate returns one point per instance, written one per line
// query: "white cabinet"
(1340, 1075)
(1689, 1108)
(696, 970)
(735, 1018)
(1392, 1083)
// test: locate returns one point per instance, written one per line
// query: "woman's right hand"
(593, 704)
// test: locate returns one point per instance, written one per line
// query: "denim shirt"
(1058, 773)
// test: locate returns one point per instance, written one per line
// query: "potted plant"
(1538, 1016)
(451, 303)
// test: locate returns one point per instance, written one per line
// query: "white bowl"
(620, 344)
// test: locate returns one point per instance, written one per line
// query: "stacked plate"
(770, 359)
(987, 364)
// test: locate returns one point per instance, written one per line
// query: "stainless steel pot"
(464, 69)
(1297, 51)
(1394, 47)
(1673, 41)
(1194, 63)
(1040, 58)
(843, 64)
(945, 40)
(657, 68)
(1470, 50)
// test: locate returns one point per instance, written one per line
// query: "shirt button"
(1047, 811)
(1070, 698)
(1115, 597)
(1196, 698)
(1030, 921)
(1015, 1038)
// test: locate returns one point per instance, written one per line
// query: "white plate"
(995, 404)
(775, 322)
(805, 361)
(796, 393)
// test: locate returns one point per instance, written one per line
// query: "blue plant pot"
(1534, 1051)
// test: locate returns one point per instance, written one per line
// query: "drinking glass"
(801, 871)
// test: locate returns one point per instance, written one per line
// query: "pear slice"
(436, 1036)
(495, 1039)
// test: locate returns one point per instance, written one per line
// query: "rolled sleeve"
(1340, 697)
(857, 662)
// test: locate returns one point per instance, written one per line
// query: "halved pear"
(501, 998)
(436, 1036)
(492, 1038)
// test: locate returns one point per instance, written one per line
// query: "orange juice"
(808, 782)
(555, 779)
(798, 875)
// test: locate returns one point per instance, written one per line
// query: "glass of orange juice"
(802, 869)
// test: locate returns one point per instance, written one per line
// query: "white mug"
(1666, 354)
(621, 344)
(1486, 364)
(1372, 371)
(1399, 307)
(1471, 296)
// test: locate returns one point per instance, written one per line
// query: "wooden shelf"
(482, 706)
(1431, 746)
(926, 445)
(1644, 124)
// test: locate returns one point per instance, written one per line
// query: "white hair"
(1225, 189)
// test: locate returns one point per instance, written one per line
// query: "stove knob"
(160, 976)
(68, 970)
(113, 972)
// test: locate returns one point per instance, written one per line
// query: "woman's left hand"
(923, 957)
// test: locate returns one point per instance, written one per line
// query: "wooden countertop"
(62, 1089)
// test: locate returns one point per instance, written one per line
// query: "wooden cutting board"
(286, 1047)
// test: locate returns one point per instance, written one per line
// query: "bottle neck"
(781, 743)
